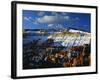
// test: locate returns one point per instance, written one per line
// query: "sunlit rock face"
(71, 38)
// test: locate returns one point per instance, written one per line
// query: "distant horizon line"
(55, 29)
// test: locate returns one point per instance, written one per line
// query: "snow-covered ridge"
(72, 38)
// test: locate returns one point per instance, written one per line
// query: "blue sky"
(49, 19)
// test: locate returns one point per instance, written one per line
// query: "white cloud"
(53, 19)
(66, 17)
(56, 26)
(26, 18)
(30, 19)
(50, 19)
(49, 25)
(63, 13)
(47, 19)
(55, 13)
(41, 13)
